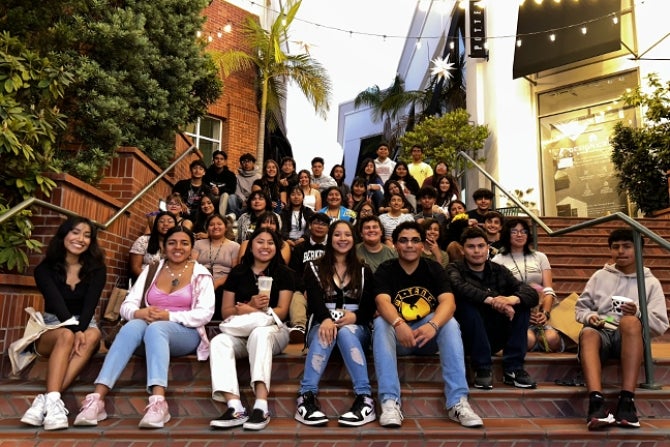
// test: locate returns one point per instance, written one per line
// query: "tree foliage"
(139, 72)
(388, 105)
(443, 137)
(30, 87)
(266, 54)
(641, 156)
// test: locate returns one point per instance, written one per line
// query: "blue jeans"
(448, 342)
(487, 331)
(351, 341)
(161, 340)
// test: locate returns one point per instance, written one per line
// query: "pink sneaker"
(92, 411)
(156, 414)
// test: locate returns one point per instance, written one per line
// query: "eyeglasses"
(406, 240)
(518, 232)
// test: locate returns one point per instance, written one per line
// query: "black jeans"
(486, 331)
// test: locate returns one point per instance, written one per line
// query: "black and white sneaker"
(257, 421)
(519, 378)
(626, 414)
(307, 410)
(361, 412)
(483, 379)
(229, 419)
(599, 416)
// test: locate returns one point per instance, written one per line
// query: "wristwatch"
(547, 314)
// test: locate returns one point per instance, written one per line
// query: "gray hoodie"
(608, 281)
(244, 181)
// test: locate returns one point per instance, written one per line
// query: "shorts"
(53, 319)
(610, 343)
(539, 347)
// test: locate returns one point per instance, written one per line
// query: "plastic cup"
(264, 285)
(617, 302)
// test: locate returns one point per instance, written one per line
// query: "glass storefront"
(576, 123)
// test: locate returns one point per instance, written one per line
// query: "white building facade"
(550, 128)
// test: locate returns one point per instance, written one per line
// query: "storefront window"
(576, 123)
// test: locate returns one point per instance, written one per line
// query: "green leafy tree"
(641, 156)
(267, 55)
(388, 105)
(443, 137)
(139, 72)
(30, 87)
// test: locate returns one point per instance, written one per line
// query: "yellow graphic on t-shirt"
(414, 303)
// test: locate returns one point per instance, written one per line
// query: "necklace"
(175, 281)
(525, 269)
(340, 278)
(216, 256)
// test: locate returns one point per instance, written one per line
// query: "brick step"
(288, 367)
(423, 432)
(427, 401)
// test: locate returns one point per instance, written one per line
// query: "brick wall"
(237, 106)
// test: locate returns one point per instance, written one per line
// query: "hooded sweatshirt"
(245, 179)
(608, 281)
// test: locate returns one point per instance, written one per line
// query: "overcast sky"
(354, 62)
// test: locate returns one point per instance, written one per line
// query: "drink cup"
(617, 302)
(264, 285)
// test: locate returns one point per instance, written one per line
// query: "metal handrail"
(34, 201)
(639, 265)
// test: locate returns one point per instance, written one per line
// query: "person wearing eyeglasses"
(416, 317)
(533, 268)
(493, 309)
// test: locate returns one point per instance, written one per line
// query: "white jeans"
(263, 343)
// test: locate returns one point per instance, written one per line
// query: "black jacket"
(497, 280)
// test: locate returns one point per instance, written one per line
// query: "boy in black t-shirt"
(416, 309)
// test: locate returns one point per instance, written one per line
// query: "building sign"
(477, 31)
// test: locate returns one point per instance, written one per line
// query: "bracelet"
(549, 291)
(434, 326)
(397, 322)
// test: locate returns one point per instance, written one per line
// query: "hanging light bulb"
(210, 38)
(615, 20)
(219, 34)
(198, 34)
(552, 37)
(584, 30)
(518, 42)
(228, 27)
(418, 44)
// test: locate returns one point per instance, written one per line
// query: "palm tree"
(388, 104)
(276, 67)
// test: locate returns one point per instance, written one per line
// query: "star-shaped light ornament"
(442, 68)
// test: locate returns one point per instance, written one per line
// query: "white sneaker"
(391, 414)
(463, 413)
(92, 411)
(157, 414)
(56, 415)
(35, 414)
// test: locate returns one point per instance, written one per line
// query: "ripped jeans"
(352, 341)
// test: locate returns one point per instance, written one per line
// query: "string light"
(582, 26)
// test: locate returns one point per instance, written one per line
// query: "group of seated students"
(437, 283)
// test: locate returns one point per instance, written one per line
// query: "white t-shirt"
(384, 168)
(526, 268)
